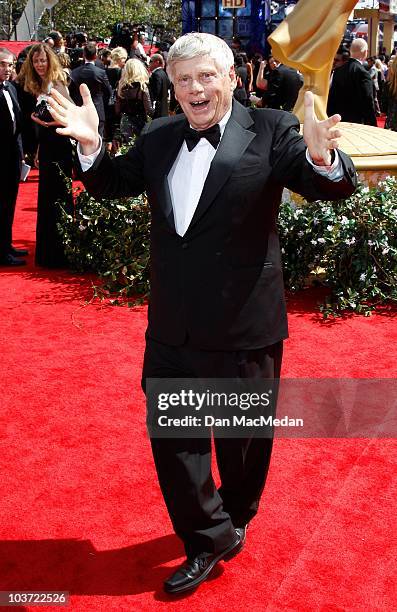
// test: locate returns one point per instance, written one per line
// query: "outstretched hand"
(79, 122)
(320, 136)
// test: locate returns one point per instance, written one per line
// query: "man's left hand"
(320, 136)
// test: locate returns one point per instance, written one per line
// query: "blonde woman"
(390, 96)
(118, 58)
(133, 100)
(42, 72)
(65, 62)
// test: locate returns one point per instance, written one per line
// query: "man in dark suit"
(282, 86)
(96, 80)
(217, 300)
(158, 86)
(10, 160)
(351, 93)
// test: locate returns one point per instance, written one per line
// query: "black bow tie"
(212, 134)
(3, 86)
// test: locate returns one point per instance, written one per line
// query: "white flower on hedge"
(316, 221)
(363, 276)
(371, 243)
(298, 212)
(330, 228)
(313, 241)
(350, 241)
(385, 251)
(345, 220)
(321, 240)
(81, 228)
(365, 190)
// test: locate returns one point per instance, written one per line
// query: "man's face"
(6, 67)
(204, 93)
(273, 63)
(153, 64)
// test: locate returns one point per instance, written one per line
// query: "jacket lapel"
(171, 147)
(235, 141)
(17, 111)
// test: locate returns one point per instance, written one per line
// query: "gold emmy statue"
(308, 40)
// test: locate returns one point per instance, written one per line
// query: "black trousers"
(203, 516)
(8, 198)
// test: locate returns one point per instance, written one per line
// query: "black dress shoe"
(10, 260)
(18, 252)
(194, 571)
(242, 533)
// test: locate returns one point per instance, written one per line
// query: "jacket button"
(185, 245)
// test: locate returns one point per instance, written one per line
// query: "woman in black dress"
(133, 101)
(42, 72)
(118, 59)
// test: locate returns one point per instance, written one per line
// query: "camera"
(42, 112)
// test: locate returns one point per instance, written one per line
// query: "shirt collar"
(224, 120)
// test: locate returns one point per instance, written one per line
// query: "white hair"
(197, 44)
(6, 52)
(358, 48)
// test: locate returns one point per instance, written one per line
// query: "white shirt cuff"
(86, 161)
(334, 172)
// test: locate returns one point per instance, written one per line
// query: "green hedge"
(350, 245)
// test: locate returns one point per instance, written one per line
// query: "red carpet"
(80, 506)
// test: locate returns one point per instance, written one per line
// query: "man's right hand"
(79, 122)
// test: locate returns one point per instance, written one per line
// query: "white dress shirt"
(8, 99)
(188, 174)
(187, 177)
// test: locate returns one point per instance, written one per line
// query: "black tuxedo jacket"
(283, 88)
(97, 82)
(11, 144)
(10, 164)
(352, 94)
(158, 88)
(220, 284)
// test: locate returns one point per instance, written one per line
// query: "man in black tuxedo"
(96, 80)
(158, 86)
(217, 299)
(10, 160)
(351, 93)
(281, 87)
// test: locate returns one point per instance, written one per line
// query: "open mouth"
(200, 105)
